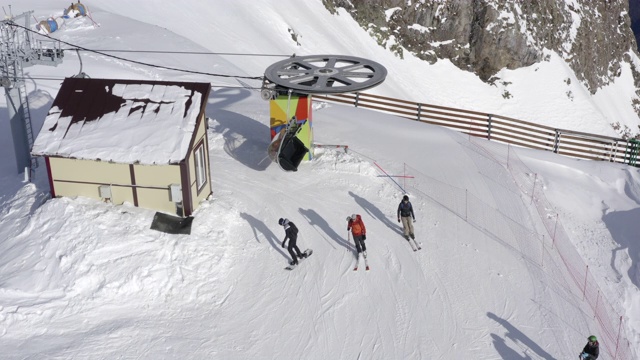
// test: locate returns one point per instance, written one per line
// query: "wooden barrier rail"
(499, 128)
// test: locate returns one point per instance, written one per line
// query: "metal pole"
(584, 288)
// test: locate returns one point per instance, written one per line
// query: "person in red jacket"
(359, 232)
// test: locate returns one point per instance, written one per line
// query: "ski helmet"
(592, 338)
(281, 221)
(406, 197)
(354, 216)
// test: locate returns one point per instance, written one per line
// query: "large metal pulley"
(324, 74)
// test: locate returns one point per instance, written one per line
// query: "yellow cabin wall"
(89, 171)
(156, 199)
(157, 175)
(73, 177)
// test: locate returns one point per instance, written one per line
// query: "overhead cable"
(140, 62)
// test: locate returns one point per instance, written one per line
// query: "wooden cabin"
(135, 141)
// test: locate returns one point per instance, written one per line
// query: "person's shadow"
(374, 212)
(505, 351)
(259, 228)
(624, 228)
(315, 220)
(517, 336)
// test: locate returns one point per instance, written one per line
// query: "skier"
(405, 212)
(359, 232)
(591, 350)
(291, 233)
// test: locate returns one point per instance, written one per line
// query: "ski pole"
(348, 239)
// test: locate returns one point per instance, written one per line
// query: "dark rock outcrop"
(485, 36)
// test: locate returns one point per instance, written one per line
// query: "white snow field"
(506, 233)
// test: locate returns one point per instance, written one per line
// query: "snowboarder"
(405, 212)
(591, 350)
(359, 232)
(291, 234)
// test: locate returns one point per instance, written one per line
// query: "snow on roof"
(123, 121)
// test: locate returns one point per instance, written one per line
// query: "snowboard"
(308, 252)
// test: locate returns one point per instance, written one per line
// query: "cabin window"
(201, 174)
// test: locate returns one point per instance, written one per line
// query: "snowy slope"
(80, 279)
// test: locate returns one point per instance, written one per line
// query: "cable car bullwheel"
(325, 74)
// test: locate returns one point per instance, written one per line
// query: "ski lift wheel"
(326, 74)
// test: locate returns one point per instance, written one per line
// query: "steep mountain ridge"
(485, 36)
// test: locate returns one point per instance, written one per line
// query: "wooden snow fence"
(499, 128)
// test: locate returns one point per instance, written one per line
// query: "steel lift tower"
(18, 50)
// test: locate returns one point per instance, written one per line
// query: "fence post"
(355, 104)
(419, 111)
(618, 339)
(556, 141)
(595, 308)
(534, 188)
(632, 151)
(466, 203)
(489, 127)
(614, 151)
(555, 227)
(542, 260)
(404, 175)
(584, 288)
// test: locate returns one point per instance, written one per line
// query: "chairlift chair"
(286, 149)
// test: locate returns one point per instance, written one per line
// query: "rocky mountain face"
(484, 36)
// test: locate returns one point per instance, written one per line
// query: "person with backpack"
(591, 350)
(291, 234)
(359, 232)
(405, 213)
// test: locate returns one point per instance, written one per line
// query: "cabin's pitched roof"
(124, 121)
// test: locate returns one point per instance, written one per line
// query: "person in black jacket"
(591, 350)
(405, 212)
(291, 234)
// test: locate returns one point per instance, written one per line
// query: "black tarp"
(292, 153)
(172, 224)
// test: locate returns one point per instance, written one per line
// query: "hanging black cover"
(291, 153)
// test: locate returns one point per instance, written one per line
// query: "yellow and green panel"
(298, 105)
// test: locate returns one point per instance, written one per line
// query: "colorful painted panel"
(283, 108)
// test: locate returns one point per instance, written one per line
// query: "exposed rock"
(485, 36)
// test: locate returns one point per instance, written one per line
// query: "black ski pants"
(360, 246)
(294, 250)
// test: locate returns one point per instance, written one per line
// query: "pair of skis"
(366, 262)
(414, 245)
